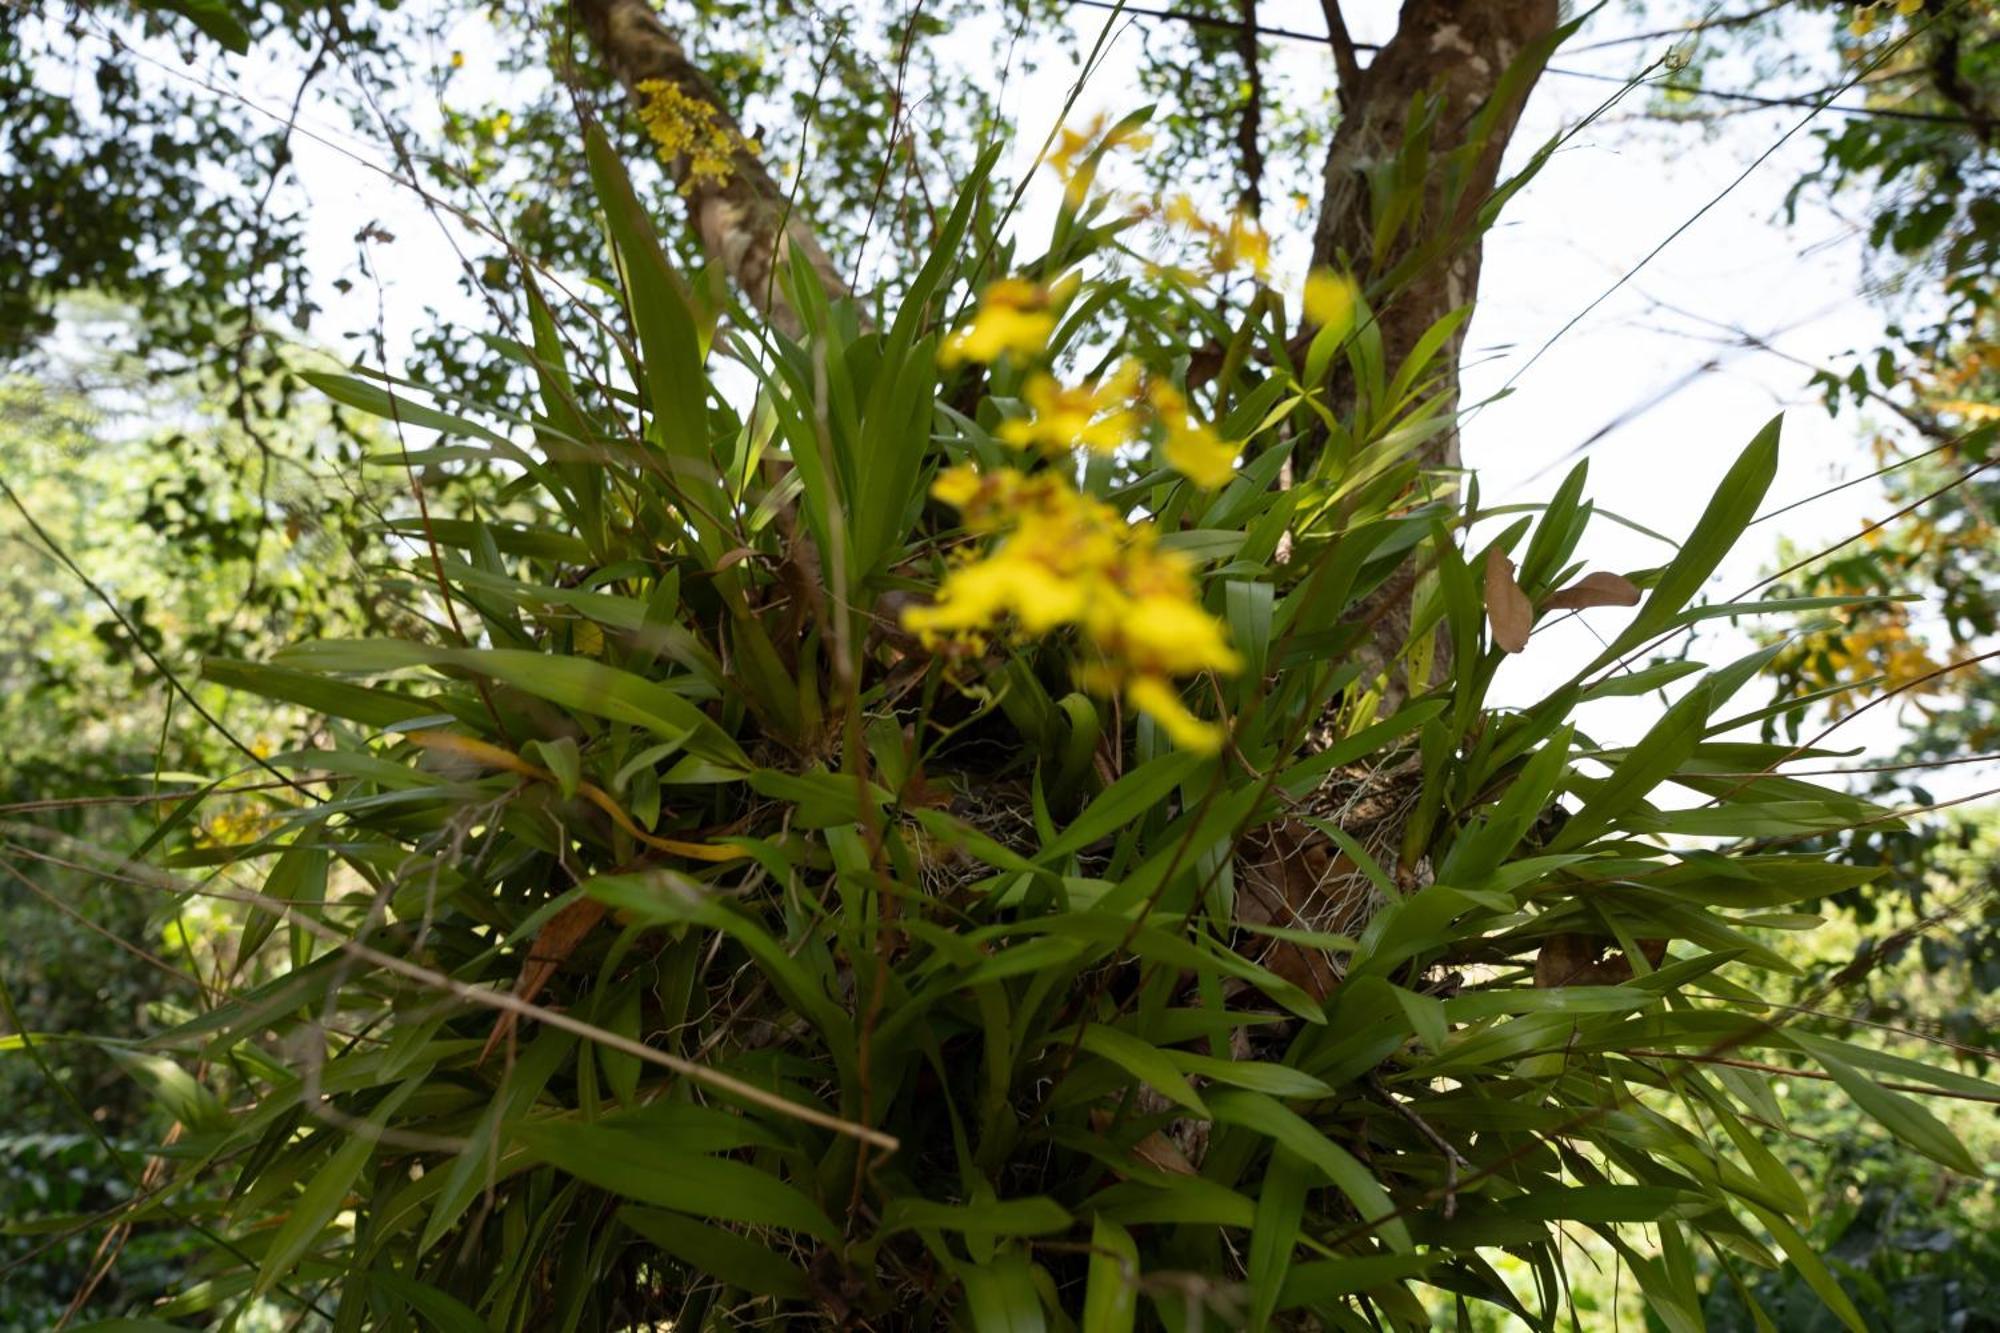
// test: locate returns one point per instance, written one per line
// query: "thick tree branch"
(1458, 51)
(1250, 128)
(1346, 66)
(744, 220)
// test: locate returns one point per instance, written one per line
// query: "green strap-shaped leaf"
(1275, 1080)
(298, 875)
(712, 1252)
(1481, 847)
(440, 1310)
(372, 398)
(1000, 1297)
(183, 1096)
(1907, 1119)
(332, 698)
(1122, 802)
(670, 343)
(1659, 752)
(1330, 1279)
(1729, 512)
(1280, 1207)
(1145, 1062)
(325, 1195)
(577, 683)
(1285, 1127)
(646, 1169)
(1111, 1289)
(1811, 1267)
(1034, 1216)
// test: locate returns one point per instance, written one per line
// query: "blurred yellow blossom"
(1874, 658)
(1077, 153)
(1245, 243)
(1062, 558)
(1014, 315)
(1242, 242)
(957, 486)
(1165, 632)
(1197, 453)
(1330, 299)
(1192, 448)
(1870, 649)
(1097, 417)
(1179, 275)
(236, 824)
(1159, 700)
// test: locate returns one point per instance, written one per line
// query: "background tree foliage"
(205, 551)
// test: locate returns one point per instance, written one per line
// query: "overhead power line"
(1693, 90)
(1757, 99)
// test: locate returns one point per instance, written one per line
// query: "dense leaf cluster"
(676, 938)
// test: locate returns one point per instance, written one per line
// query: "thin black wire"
(1760, 100)
(1696, 90)
(1689, 30)
(1879, 472)
(1674, 235)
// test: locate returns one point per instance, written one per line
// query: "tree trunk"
(744, 220)
(1457, 50)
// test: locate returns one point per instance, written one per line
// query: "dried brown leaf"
(1508, 610)
(1602, 588)
(554, 944)
(1581, 960)
(1163, 1154)
(1155, 1150)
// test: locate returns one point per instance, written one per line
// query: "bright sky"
(1617, 191)
(1608, 199)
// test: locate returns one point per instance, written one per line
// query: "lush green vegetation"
(726, 801)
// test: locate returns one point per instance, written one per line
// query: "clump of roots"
(1294, 875)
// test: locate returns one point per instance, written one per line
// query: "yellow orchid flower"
(1096, 417)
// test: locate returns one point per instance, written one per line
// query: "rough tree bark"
(744, 220)
(1457, 49)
